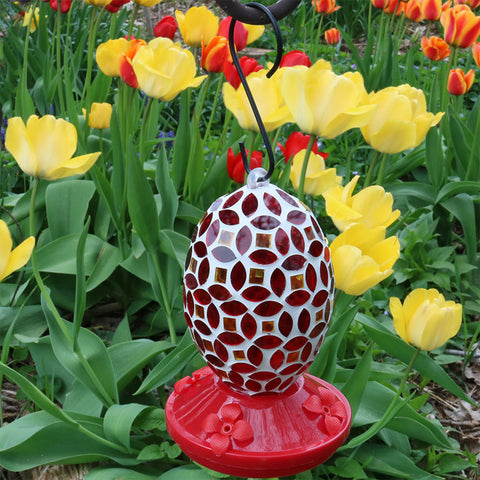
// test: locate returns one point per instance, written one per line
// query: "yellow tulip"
(254, 32)
(401, 120)
(109, 54)
(44, 147)
(99, 116)
(147, 3)
(425, 320)
(363, 257)
(371, 206)
(268, 97)
(31, 19)
(13, 260)
(98, 3)
(198, 25)
(323, 103)
(164, 69)
(317, 178)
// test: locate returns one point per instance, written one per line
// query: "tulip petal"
(5, 247)
(74, 166)
(19, 257)
(399, 318)
(19, 145)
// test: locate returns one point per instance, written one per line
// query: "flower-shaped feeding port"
(258, 294)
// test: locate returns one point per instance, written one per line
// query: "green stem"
(59, 62)
(132, 20)
(371, 168)
(214, 107)
(471, 163)
(201, 99)
(381, 169)
(143, 127)
(317, 38)
(303, 173)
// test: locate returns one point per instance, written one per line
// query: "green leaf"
(454, 188)
(168, 194)
(91, 366)
(424, 364)
(129, 358)
(150, 453)
(109, 258)
(187, 472)
(29, 322)
(434, 158)
(172, 364)
(118, 422)
(181, 146)
(171, 449)
(175, 245)
(109, 473)
(67, 204)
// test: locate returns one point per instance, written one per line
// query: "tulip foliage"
(120, 126)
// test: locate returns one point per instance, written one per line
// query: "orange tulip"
(325, 6)
(395, 6)
(435, 48)
(215, 54)
(476, 53)
(332, 36)
(432, 9)
(413, 11)
(461, 26)
(471, 3)
(126, 69)
(459, 83)
(380, 3)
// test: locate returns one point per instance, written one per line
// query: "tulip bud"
(215, 54)
(325, 6)
(248, 65)
(295, 142)
(332, 36)
(99, 116)
(240, 34)
(461, 26)
(432, 9)
(459, 83)
(64, 5)
(425, 320)
(116, 5)
(295, 57)
(380, 3)
(413, 11)
(435, 48)
(166, 27)
(235, 168)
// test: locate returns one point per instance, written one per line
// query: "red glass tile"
(298, 298)
(200, 249)
(191, 281)
(268, 342)
(265, 222)
(202, 327)
(295, 343)
(255, 355)
(203, 271)
(296, 217)
(327, 254)
(288, 198)
(249, 205)
(294, 262)
(214, 360)
(320, 298)
(213, 316)
(243, 240)
(233, 199)
(223, 254)
(282, 241)
(243, 367)
(316, 248)
(188, 319)
(262, 376)
(205, 224)
(212, 233)
(294, 367)
(256, 293)
(328, 307)
(253, 385)
(309, 233)
(316, 226)
(317, 330)
(324, 274)
(268, 308)
(238, 276)
(248, 326)
(229, 217)
(286, 384)
(277, 359)
(306, 352)
(198, 340)
(230, 338)
(311, 277)
(263, 257)
(236, 378)
(202, 296)
(304, 321)
(190, 303)
(272, 203)
(285, 324)
(234, 308)
(297, 239)
(219, 293)
(273, 384)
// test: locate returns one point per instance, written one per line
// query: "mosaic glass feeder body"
(258, 288)
(258, 294)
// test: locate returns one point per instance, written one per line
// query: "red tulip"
(325, 6)
(64, 5)
(459, 83)
(295, 142)
(413, 10)
(235, 168)
(380, 3)
(432, 9)
(476, 53)
(471, 3)
(240, 34)
(248, 66)
(166, 27)
(394, 6)
(115, 5)
(461, 26)
(435, 48)
(295, 57)
(332, 36)
(215, 54)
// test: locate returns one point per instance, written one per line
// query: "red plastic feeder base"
(258, 436)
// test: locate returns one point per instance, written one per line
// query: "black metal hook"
(248, 92)
(248, 14)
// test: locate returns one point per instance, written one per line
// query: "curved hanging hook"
(248, 14)
(248, 92)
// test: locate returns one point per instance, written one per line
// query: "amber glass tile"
(256, 276)
(226, 238)
(193, 265)
(221, 373)
(319, 316)
(208, 345)
(220, 275)
(199, 311)
(296, 281)
(263, 240)
(239, 354)
(268, 326)
(229, 324)
(292, 357)
(309, 233)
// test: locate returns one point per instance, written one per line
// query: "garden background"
(101, 193)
